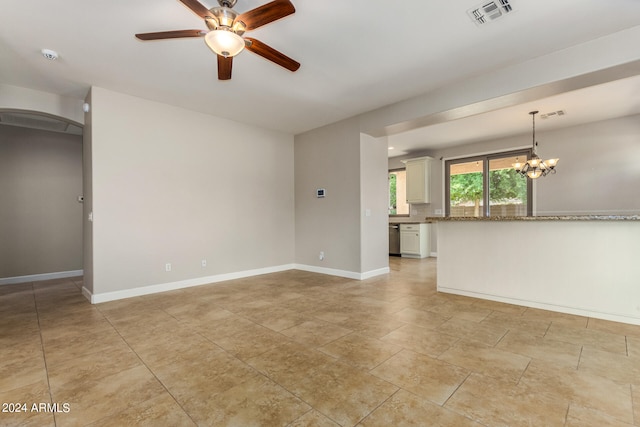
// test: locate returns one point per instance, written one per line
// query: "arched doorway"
(41, 189)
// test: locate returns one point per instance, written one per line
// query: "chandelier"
(535, 167)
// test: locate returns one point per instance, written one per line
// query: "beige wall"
(176, 186)
(40, 216)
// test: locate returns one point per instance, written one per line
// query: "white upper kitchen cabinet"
(418, 173)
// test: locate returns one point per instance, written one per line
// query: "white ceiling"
(356, 56)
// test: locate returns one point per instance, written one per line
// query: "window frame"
(389, 195)
(485, 159)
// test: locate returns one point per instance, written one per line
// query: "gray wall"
(350, 224)
(329, 158)
(40, 217)
(599, 169)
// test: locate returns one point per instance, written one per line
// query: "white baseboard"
(342, 273)
(171, 286)
(163, 287)
(86, 293)
(545, 306)
(374, 273)
(40, 277)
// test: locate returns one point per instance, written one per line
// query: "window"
(398, 192)
(487, 186)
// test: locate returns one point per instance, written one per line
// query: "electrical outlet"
(204, 263)
(321, 256)
(167, 267)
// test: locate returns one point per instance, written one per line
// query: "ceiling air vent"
(490, 11)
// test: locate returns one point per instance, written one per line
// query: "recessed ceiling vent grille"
(490, 11)
(552, 114)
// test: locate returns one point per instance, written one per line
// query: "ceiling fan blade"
(267, 52)
(171, 34)
(266, 13)
(197, 8)
(224, 67)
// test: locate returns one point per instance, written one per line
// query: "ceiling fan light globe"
(224, 42)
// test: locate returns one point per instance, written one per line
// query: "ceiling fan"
(226, 28)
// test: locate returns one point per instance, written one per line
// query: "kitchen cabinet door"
(418, 186)
(414, 240)
(410, 242)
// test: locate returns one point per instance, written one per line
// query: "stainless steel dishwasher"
(394, 239)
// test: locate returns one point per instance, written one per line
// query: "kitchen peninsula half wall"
(583, 265)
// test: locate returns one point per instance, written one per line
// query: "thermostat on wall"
(320, 193)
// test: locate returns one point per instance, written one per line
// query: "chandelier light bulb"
(535, 168)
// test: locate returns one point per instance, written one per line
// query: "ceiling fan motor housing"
(225, 18)
(227, 3)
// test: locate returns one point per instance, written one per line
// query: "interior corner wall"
(173, 186)
(374, 204)
(87, 211)
(40, 217)
(328, 158)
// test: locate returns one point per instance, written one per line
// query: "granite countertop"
(538, 218)
(408, 220)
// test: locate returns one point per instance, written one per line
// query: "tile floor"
(303, 349)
